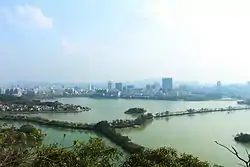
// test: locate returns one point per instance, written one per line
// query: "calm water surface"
(111, 109)
(55, 135)
(190, 134)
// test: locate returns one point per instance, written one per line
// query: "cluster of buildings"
(13, 107)
(18, 91)
(120, 90)
(164, 90)
(24, 108)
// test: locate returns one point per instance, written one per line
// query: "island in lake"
(244, 102)
(135, 111)
(242, 138)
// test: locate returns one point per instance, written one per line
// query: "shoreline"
(139, 98)
(108, 129)
(103, 128)
(193, 111)
(40, 112)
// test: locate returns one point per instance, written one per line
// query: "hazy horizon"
(138, 82)
(96, 41)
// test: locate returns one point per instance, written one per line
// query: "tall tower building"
(218, 84)
(109, 85)
(91, 87)
(118, 86)
(167, 84)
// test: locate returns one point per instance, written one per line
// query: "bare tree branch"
(241, 165)
(225, 147)
(234, 151)
(247, 152)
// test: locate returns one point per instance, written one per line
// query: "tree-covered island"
(135, 111)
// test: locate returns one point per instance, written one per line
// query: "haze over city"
(93, 41)
(124, 83)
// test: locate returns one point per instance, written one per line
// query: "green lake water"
(191, 134)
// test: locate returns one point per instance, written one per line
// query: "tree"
(167, 112)
(24, 149)
(234, 152)
(163, 157)
(92, 154)
(16, 146)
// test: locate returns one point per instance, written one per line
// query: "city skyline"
(143, 82)
(127, 40)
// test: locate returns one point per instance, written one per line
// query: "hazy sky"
(96, 40)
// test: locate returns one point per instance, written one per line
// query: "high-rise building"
(167, 84)
(109, 85)
(91, 87)
(124, 88)
(148, 87)
(118, 86)
(130, 87)
(218, 84)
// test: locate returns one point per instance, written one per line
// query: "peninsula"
(12, 104)
(103, 128)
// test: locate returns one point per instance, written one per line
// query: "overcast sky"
(94, 40)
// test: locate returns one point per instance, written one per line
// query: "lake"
(56, 135)
(191, 134)
(111, 109)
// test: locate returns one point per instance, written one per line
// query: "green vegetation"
(244, 102)
(192, 111)
(24, 149)
(141, 120)
(46, 122)
(164, 157)
(9, 99)
(135, 111)
(124, 142)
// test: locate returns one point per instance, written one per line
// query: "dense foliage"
(135, 111)
(15, 100)
(22, 148)
(242, 138)
(164, 157)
